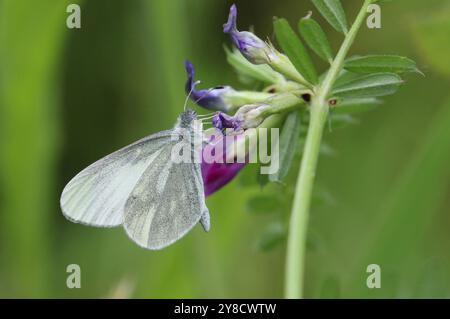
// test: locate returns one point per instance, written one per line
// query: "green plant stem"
(298, 227)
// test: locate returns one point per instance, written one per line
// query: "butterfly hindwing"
(166, 203)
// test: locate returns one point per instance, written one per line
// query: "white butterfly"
(156, 199)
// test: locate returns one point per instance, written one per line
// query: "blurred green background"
(68, 97)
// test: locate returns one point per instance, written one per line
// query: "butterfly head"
(186, 118)
(188, 123)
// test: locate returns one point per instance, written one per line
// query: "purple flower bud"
(223, 121)
(219, 173)
(212, 99)
(248, 116)
(253, 48)
(252, 115)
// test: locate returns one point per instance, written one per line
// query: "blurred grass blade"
(431, 35)
(353, 106)
(334, 13)
(30, 47)
(289, 142)
(315, 38)
(381, 64)
(168, 25)
(415, 201)
(295, 50)
(369, 86)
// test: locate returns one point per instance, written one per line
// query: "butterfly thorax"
(188, 128)
(186, 118)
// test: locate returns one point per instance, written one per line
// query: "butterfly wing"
(97, 195)
(167, 202)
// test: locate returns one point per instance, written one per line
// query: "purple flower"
(252, 48)
(223, 121)
(218, 173)
(248, 116)
(212, 99)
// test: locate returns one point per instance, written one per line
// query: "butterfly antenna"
(207, 114)
(204, 94)
(189, 94)
(207, 118)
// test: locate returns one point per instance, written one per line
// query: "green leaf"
(273, 235)
(333, 12)
(315, 38)
(294, 49)
(345, 77)
(371, 85)
(380, 64)
(288, 143)
(263, 204)
(341, 120)
(353, 106)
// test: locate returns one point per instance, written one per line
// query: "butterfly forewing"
(97, 195)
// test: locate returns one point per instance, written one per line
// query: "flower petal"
(222, 121)
(252, 48)
(213, 98)
(231, 23)
(218, 173)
